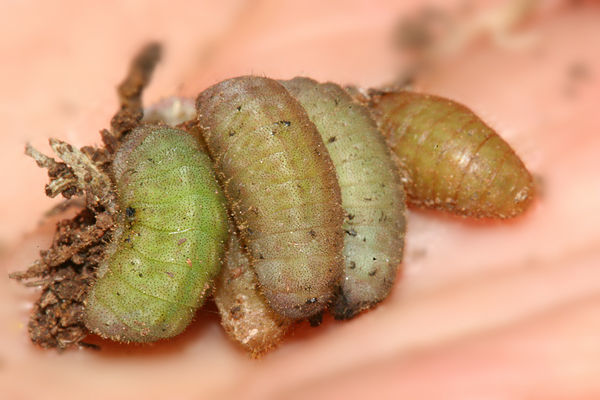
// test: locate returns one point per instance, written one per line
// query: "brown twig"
(130, 95)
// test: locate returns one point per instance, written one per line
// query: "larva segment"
(245, 314)
(372, 195)
(452, 159)
(281, 187)
(169, 242)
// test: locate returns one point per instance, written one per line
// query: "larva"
(169, 242)
(245, 314)
(372, 194)
(281, 187)
(452, 160)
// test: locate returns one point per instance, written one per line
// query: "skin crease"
(484, 310)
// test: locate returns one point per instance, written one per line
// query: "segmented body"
(281, 187)
(452, 160)
(372, 195)
(169, 242)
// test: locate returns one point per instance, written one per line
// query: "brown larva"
(451, 159)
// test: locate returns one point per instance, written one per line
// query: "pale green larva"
(169, 240)
(281, 187)
(372, 195)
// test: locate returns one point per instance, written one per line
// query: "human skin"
(484, 309)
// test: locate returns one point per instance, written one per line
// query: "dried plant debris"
(65, 271)
(130, 92)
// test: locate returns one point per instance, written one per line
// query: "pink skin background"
(494, 310)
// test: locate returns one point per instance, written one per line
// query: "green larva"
(168, 243)
(245, 314)
(372, 194)
(281, 186)
(452, 160)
